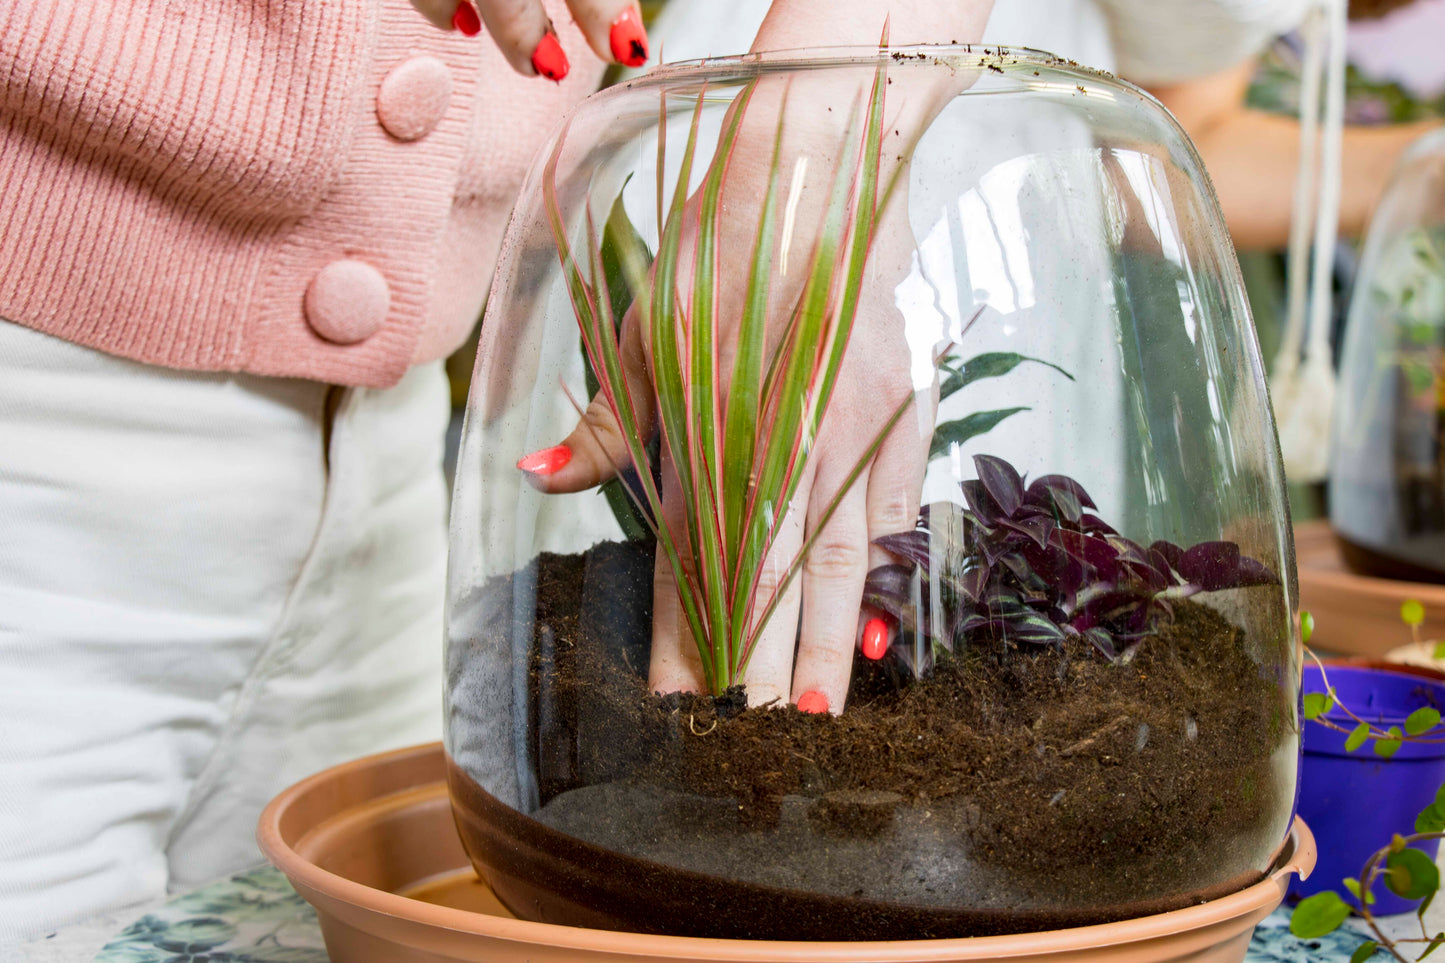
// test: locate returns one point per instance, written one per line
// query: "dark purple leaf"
(1098, 557)
(1172, 553)
(1037, 528)
(1104, 642)
(890, 588)
(971, 583)
(1095, 525)
(1032, 629)
(1253, 572)
(1210, 565)
(1109, 606)
(985, 509)
(1001, 480)
(1061, 483)
(912, 546)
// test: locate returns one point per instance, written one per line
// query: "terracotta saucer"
(1357, 614)
(372, 846)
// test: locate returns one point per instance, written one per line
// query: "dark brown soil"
(1055, 784)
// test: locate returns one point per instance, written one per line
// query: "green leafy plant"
(959, 374)
(1406, 871)
(1422, 725)
(740, 444)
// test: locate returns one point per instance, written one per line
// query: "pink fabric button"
(347, 301)
(413, 97)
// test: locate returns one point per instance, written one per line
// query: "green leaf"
(1318, 915)
(1412, 612)
(1357, 738)
(1411, 874)
(994, 364)
(951, 433)
(1425, 904)
(1435, 942)
(1364, 951)
(1388, 746)
(1353, 885)
(1306, 626)
(1317, 704)
(1439, 651)
(1422, 720)
(1431, 819)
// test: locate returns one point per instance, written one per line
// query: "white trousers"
(201, 601)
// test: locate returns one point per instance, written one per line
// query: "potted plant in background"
(1374, 757)
(1085, 706)
(1387, 476)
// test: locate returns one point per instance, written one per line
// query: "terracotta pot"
(1357, 614)
(371, 844)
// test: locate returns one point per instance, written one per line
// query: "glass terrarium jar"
(1387, 463)
(939, 581)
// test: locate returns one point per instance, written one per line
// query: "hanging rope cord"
(1303, 383)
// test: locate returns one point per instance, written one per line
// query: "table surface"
(256, 917)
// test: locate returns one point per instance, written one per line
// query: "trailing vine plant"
(1405, 870)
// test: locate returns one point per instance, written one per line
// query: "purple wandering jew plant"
(1030, 565)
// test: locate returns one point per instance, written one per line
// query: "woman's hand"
(879, 372)
(523, 32)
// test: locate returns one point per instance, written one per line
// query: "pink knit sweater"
(311, 188)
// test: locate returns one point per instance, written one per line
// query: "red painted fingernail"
(548, 59)
(548, 461)
(629, 39)
(465, 19)
(812, 701)
(875, 639)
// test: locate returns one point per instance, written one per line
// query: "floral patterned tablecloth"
(256, 917)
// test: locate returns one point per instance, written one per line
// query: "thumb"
(589, 456)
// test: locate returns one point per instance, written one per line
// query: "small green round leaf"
(1422, 720)
(1357, 737)
(1412, 611)
(1306, 626)
(1364, 951)
(1439, 651)
(1353, 885)
(1387, 747)
(1411, 874)
(1318, 915)
(1431, 819)
(1317, 704)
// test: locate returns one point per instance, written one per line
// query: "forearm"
(821, 23)
(1253, 158)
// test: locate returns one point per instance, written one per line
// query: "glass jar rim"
(984, 56)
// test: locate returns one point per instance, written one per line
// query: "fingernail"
(629, 39)
(548, 461)
(548, 59)
(812, 701)
(875, 639)
(465, 19)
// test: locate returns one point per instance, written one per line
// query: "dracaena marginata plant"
(1025, 566)
(739, 439)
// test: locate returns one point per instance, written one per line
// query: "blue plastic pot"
(1354, 801)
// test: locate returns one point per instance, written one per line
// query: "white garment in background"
(197, 611)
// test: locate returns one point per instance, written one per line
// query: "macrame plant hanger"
(1302, 385)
